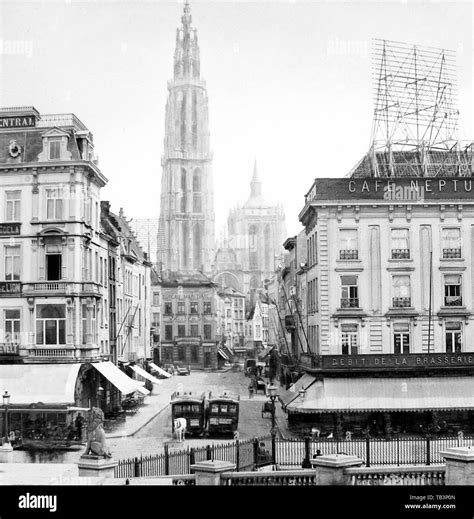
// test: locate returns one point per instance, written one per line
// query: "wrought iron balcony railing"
(453, 301)
(401, 302)
(349, 302)
(451, 253)
(348, 254)
(400, 253)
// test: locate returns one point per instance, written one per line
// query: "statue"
(96, 444)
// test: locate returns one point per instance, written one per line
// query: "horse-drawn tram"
(222, 414)
(191, 408)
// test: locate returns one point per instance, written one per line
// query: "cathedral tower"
(186, 228)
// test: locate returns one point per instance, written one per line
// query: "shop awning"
(143, 391)
(39, 383)
(223, 354)
(139, 371)
(119, 379)
(302, 383)
(386, 394)
(159, 370)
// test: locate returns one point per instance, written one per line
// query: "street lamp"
(100, 392)
(6, 403)
(272, 393)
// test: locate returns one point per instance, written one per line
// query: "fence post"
(398, 451)
(208, 452)
(167, 460)
(307, 454)
(192, 457)
(237, 455)
(255, 451)
(367, 452)
(273, 448)
(428, 450)
(136, 468)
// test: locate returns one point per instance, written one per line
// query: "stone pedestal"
(330, 468)
(209, 472)
(6, 453)
(459, 465)
(96, 467)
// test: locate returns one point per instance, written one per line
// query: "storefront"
(365, 395)
(47, 399)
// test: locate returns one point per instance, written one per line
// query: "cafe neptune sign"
(400, 189)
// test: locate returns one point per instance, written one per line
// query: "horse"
(180, 428)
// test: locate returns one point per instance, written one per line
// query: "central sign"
(24, 121)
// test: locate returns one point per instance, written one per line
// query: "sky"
(289, 83)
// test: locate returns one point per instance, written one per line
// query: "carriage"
(192, 408)
(222, 415)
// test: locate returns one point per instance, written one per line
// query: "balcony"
(401, 302)
(61, 288)
(453, 301)
(348, 254)
(400, 253)
(349, 302)
(452, 253)
(52, 352)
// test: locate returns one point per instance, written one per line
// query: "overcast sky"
(289, 82)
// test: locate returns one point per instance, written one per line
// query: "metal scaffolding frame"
(415, 125)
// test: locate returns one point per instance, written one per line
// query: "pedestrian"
(318, 453)
(251, 390)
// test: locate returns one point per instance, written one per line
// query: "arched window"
(197, 247)
(197, 195)
(184, 245)
(194, 113)
(183, 190)
(253, 253)
(183, 121)
(267, 236)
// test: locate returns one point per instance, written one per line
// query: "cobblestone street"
(151, 438)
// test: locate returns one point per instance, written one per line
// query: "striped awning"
(385, 394)
(140, 371)
(223, 354)
(302, 383)
(119, 379)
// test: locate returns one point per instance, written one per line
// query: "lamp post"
(100, 392)
(272, 393)
(6, 403)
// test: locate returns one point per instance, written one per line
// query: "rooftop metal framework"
(415, 126)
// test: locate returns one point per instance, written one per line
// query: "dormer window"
(55, 144)
(55, 150)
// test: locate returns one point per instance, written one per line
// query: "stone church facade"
(254, 243)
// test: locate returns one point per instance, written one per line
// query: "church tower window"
(197, 195)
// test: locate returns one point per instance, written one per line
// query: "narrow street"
(151, 438)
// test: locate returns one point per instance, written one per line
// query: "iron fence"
(293, 452)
